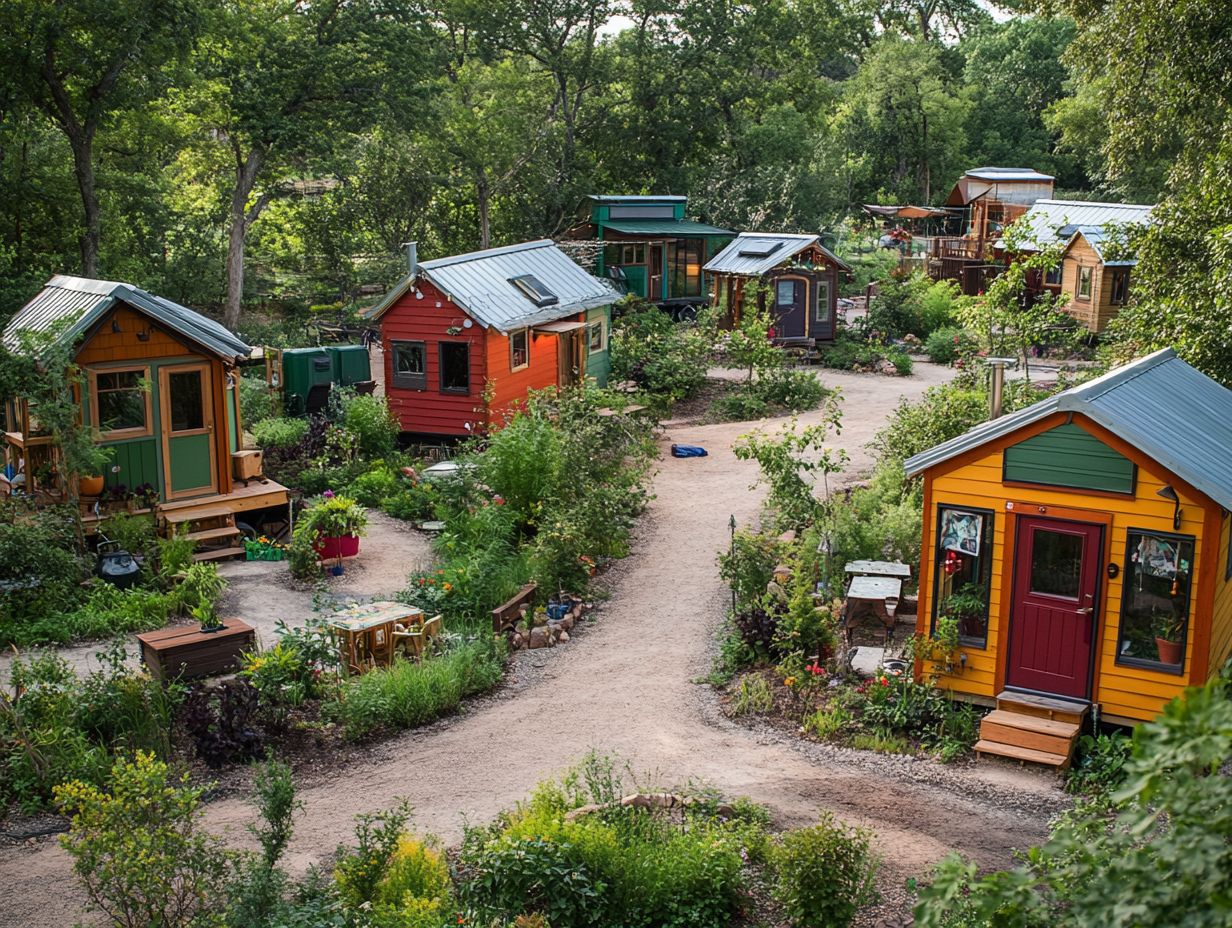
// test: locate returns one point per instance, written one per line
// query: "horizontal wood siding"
(1069, 456)
(510, 387)
(1221, 614)
(1132, 692)
(106, 346)
(429, 411)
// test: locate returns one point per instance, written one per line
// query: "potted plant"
(1167, 630)
(967, 607)
(335, 524)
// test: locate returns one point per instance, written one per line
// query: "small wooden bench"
(187, 652)
(505, 615)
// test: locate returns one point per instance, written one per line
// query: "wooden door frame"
(207, 414)
(808, 292)
(1009, 555)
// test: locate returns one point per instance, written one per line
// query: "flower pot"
(329, 546)
(90, 486)
(1169, 651)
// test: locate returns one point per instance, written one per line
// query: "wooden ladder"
(212, 528)
(1032, 729)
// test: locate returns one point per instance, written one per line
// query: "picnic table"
(366, 633)
(876, 594)
(878, 569)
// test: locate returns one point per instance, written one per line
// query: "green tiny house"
(650, 248)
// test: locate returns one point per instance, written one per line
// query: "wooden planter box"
(188, 653)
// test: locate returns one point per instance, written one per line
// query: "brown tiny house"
(802, 277)
(1082, 544)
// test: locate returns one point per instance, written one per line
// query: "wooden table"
(187, 652)
(879, 569)
(365, 633)
(878, 594)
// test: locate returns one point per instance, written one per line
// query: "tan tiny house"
(1097, 288)
(1082, 544)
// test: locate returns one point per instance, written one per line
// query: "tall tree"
(282, 83)
(82, 62)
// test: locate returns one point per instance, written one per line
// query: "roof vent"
(534, 290)
(764, 250)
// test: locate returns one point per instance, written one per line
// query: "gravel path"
(626, 686)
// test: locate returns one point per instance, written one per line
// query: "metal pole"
(731, 551)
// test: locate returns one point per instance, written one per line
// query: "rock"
(562, 637)
(517, 642)
(886, 367)
(541, 619)
(566, 624)
(541, 637)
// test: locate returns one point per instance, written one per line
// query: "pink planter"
(331, 546)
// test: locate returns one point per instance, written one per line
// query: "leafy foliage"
(658, 355)
(824, 874)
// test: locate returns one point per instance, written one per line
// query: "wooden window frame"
(440, 358)
(1118, 274)
(143, 371)
(1090, 272)
(633, 254)
(986, 551)
(405, 381)
(513, 365)
(1177, 670)
(821, 312)
(590, 339)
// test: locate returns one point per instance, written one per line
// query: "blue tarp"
(688, 451)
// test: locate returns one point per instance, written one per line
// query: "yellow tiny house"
(1082, 544)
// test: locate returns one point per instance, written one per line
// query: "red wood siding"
(510, 387)
(426, 319)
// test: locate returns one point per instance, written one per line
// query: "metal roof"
(480, 282)
(773, 247)
(1008, 174)
(661, 228)
(635, 198)
(1169, 411)
(1095, 237)
(77, 303)
(1045, 220)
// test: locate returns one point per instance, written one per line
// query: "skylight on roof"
(764, 250)
(534, 290)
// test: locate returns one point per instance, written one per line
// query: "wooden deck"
(193, 513)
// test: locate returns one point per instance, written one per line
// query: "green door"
(189, 458)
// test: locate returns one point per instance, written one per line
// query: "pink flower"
(328, 494)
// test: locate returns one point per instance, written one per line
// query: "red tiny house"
(467, 338)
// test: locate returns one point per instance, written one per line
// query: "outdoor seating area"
(874, 587)
(371, 635)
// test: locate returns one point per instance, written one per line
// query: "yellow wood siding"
(1221, 613)
(1131, 692)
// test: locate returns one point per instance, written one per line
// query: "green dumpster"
(350, 364)
(303, 369)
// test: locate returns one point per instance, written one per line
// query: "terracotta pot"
(1169, 651)
(90, 486)
(330, 546)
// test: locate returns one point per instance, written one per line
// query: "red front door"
(1052, 619)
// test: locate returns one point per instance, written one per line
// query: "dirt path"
(625, 687)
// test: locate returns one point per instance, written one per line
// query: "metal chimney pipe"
(997, 392)
(412, 257)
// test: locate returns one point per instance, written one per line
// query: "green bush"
(849, 352)
(1100, 767)
(739, 405)
(791, 390)
(659, 355)
(880, 521)
(947, 345)
(40, 570)
(410, 694)
(280, 433)
(912, 305)
(748, 565)
(376, 485)
(256, 403)
(134, 534)
(824, 874)
(943, 412)
(376, 430)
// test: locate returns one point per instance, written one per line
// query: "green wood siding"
(233, 439)
(599, 363)
(1069, 456)
(138, 463)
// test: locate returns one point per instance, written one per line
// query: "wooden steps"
(1032, 729)
(213, 534)
(199, 514)
(218, 554)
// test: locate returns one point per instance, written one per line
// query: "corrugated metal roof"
(479, 282)
(661, 228)
(1045, 220)
(79, 302)
(635, 198)
(1008, 174)
(773, 248)
(1169, 411)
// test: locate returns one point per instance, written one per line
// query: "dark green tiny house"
(650, 248)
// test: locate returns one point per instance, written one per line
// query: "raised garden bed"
(188, 653)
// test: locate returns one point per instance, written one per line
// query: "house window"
(633, 254)
(122, 402)
(963, 569)
(822, 311)
(1053, 276)
(595, 334)
(410, 367)
(455, 367)
(1084, 283)
(1155, 601)
(1120, 285)
(786, 293)
(519, 350)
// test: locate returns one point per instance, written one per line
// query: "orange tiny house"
(1082, 544)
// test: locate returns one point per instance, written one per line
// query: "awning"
(904, 212)
(557, 328)
(662, 228)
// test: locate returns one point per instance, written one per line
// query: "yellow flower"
(447, 587)
(790, 681)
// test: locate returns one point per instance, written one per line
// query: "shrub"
(410, 694)
(332, 516)
(416, 883)
(280, 433)
(375, 429)
(255, 400)
(531, 875)
(880, 521)
(658, 355)
(913, 305)
(739, 405)
(824, 874)
(107, 611)
(257, 891)
(947, 345)
(223, 722)
(752, 696)
(825, 724)
(748, 566)
(360, 871)
(134, 534)
(850, 352)
(39, 573)
(792, 390)
(943, 412)
(376, 485)
(136, 847)
(1100, 767)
